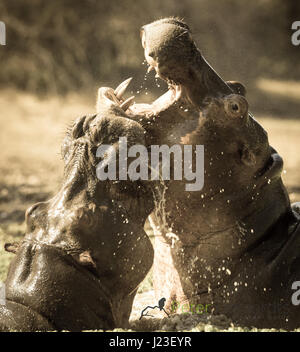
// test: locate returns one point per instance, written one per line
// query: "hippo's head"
(85, 200)
(99, 223)
(241, 170)
(170, 50)
(239, 162)
(219, 226)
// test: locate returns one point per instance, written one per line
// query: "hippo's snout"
(35, 216)
(171, 51)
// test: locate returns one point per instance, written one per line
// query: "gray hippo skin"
(85, 250)
(236, 243)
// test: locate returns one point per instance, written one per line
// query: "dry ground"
(31, 131)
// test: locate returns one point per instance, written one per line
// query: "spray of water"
(142, 86)
(159, 223)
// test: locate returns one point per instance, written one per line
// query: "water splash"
(157, 82)
(142, 86)
(160, 224)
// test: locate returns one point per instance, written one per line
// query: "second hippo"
(236, 243)
(85, 250)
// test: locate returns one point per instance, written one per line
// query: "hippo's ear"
(247, 156)
(296, 207)
(237, 87)
(85, 258)
(12, 247)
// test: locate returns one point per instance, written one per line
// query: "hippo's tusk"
(150, 68)
(125, 105)
(120, 90)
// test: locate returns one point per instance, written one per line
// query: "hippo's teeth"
(178, 91)
(150, 68)
(120, 90)
(125, 105)
(113, 98)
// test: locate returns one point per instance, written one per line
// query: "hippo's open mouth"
(170, 51)
(171, 65)
(174, 94)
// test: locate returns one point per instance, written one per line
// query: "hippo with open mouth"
(236, 243)
(85, 250)
(233, 245)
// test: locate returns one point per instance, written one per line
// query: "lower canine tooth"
(177, 92)
(120, 90)
(125, 105)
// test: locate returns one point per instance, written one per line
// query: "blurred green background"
(60, 46)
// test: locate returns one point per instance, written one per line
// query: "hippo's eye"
(235, 106)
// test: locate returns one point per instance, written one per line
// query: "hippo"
(85, 250)
(234, 244)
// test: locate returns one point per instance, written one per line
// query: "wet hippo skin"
(235, 244)
(85, 250)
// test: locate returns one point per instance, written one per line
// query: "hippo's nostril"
(35, 216)
(31, 209)
(29, 217)
(35, 210)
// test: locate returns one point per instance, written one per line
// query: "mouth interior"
(168, 98)
(174, 91)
